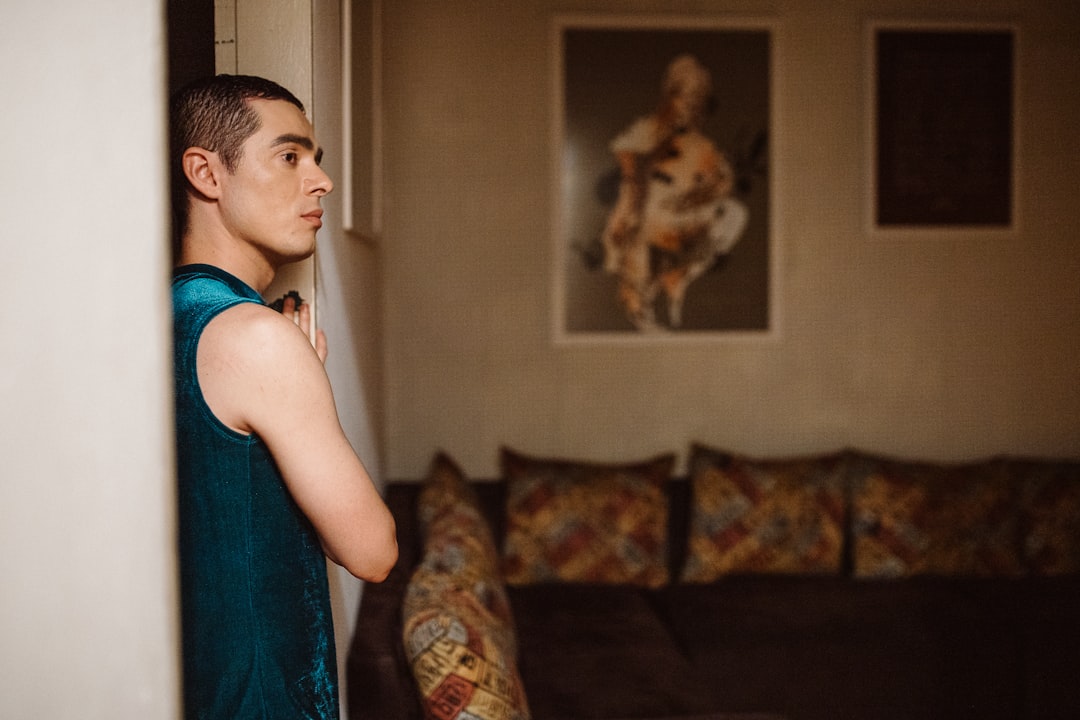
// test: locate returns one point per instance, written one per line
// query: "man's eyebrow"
(301, 140)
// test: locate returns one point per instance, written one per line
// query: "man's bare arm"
(260, 374)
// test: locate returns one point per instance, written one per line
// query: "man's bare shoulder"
(255, 365)
(254, 331)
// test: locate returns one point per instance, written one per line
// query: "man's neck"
(256, 273)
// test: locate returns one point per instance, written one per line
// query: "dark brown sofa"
(796, 646)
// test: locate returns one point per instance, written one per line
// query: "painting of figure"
(676, 212)
(663, 184)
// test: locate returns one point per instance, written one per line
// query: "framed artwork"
(361, 69)
(662, 179)
(943, 126)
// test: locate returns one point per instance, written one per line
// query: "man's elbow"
(375, 569)
(376, 560)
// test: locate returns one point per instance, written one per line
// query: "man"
(268, 482)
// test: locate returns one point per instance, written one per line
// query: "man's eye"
(289, 157)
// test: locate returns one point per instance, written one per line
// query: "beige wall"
(945, 347)
(348, 300)
(88, 603)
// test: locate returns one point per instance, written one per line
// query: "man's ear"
(202, 168)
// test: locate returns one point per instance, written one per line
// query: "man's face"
(272, 199)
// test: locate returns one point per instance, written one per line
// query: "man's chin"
(295, 255)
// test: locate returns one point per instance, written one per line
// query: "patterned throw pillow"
(934, 519)
(445, 489)
(758, 516)
(458, 542)
(457, 625)
(572, 521)
(449, 514)
(1049, 515)
(462, 656)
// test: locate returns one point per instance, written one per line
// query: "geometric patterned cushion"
(912, 518)
(458, 542)
(1049, 514)
(763, 516)
(461, 656)
(446, 490)
(569, 521)
(450, 516)
(457, 623)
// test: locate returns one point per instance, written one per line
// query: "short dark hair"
(213, 113)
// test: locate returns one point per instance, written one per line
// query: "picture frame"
(663, 193)
(362, 131)
(942, 125)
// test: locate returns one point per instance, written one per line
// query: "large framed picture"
(942, 126)
(662, 179)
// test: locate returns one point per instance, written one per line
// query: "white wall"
(348, 299)
(87, 610)
(945, 348)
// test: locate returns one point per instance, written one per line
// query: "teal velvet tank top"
(258, 638)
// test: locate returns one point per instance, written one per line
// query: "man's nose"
(320, 183)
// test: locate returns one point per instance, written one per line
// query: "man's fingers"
(303, 319)
(288, 307)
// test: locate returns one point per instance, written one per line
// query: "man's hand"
(302, 317)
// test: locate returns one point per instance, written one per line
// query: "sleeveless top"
(258, 638)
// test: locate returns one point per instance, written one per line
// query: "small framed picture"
(942, 122)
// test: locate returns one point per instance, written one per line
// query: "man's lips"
(314, 217)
